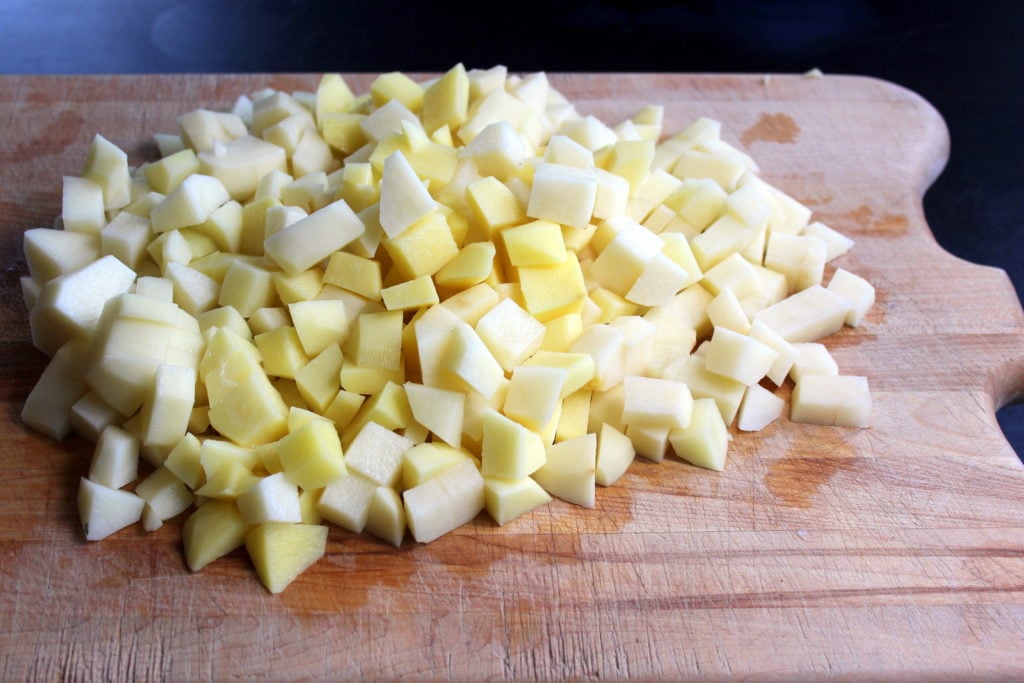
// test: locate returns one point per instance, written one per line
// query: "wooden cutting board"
(891, 552)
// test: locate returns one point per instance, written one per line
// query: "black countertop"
(967, 59)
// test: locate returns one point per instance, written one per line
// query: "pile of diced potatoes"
(395, 310)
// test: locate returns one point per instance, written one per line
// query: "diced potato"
(445, 502)
(281, 551)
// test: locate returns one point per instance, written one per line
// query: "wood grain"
(892, 552)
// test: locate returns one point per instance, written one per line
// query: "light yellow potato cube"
(281, 351)
(281, 551)
(82, 207)
(416, 293)
(320, 379)
(167, 174)
(404, 201)
(241, 164)
(354, 273)
(360, 380)
(569, 470)
(268, 319)
(191, 203)
(397, 86)
(425, 461)
(311, 457)
(855, 289)
(472, 304)
(343, 131)
(246, 287)
(319, 324)
(615, 454)
(164, 493)
(377, 454)
(653, 402)
(497, 151)
(467, 359)
(439, 410)
(726, 312)
(727, 393)
(574, 415)
(166, 410)
(126, 237)
(509, 499)
(471, 266)
(244, 406)
(386, 516)
(51, 253)
(184, 461)
(843, 401)
(649, 442)
(510, 450)
(376, 341)
(212, 531)
(698, 201)
(302, 245)
(107, 165)
(303, 286)
(510, 333)
(562, 194)
(632, 159)
(346, 501)
(812, 358)
(561, 332)
(722, 238)
(806, 316)
(705, 441)
(388, 407)
(534, 395)
(759, 408)
(343, 408)
(445, 502)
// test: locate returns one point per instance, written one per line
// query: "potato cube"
(510, 450)
(377, 453)
(346, 501)
(562, 194)
(508, 499)
(843, 401)
(386, 516)
(511, 334)
(569, 470)
(311, 457)
(445, 502)
(302, 245)
(212, 531)
(705, 441)
(104, 510)
(281, 551)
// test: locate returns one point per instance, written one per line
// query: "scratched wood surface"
(895, 551)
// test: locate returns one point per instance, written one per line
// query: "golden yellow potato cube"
(471, 266)
(343, 132)
(366, 381)
(492, 206)
(446, 101)
(333, 96)
(281, 551)
(538, 243)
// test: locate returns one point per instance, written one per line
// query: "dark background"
(966, 58)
